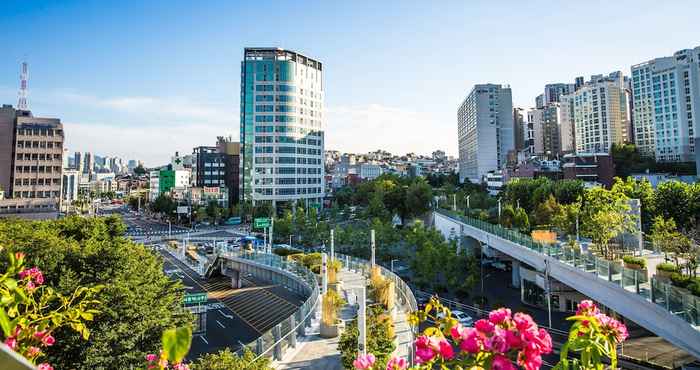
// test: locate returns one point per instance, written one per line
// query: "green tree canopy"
(139, 301)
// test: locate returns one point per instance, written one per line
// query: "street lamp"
(467, 200)
(499, 211)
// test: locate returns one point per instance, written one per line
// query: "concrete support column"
(293, 335)
(515, 274)
(277, 335)
(259, 346)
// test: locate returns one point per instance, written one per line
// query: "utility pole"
(454, 201)
(362, 322)
(467, 199)
(499, 210)
(373, 247)
(324, 272)
(272, 225)
(332, 246)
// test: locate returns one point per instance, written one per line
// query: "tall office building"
(88, 163)
(566, 124)
(282, 129)
(31, 162)
(666, 99)
(554, 92)
(485, 131)
(520, 128)
(79, 161)
(535, 118)
(551, 131)
(600, 113)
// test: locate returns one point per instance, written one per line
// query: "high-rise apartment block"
(485, 131)
(666, 100)
(554, 92)
(282, 129)
(31, 162)
(566, 124)
(600, 113)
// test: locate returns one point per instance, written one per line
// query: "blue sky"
(142, 79)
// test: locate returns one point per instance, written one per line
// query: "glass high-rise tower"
(282, 132)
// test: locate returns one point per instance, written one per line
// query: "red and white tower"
(23, 76)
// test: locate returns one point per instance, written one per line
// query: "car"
(460, 316)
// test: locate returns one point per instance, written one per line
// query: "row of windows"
(38, 131)
(38, 169)
(287, 88)
(277, 98)
(287, 191)
(38, 157)
(38, 144)
(39, 181)
(270, 118)
(37, 194)
(287, 171)
(287, 150)
(275, 108)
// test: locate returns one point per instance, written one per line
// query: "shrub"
(667, 267)
(680, 280)
(632, 260)
(316, 269)
(311, 259)
(380, 342)
(283, 252)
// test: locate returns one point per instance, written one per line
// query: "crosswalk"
(255, 304)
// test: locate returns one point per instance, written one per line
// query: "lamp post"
(454, 201)
(499, 211)
(467, 200)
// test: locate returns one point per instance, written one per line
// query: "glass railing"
(275, 341)
(678, 302)
(404, 297)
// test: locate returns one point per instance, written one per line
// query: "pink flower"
(457, 332)
(523, 322)
(545, 341)
(610, 326)
(501, 362)
(446, 350)
(513, 339)
(471, 342)
(497, 342)
(424, 349)
(151, 357)
(498, 316)
(181, 366)
(39, 277)
(529, 361)
(48, 340)
(364, 362)
(484, 326)
(44, 366)
(397, 363)
(587, 308)
(40, 334)
(11, 342)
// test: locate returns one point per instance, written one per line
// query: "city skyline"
(171, 78)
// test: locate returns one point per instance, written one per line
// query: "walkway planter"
(329, 331)
(664, 276)
(336, 287)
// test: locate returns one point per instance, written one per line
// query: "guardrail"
(403, 294)
(275, 341)
(677, 302)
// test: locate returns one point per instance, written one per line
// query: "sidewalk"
(314, 352)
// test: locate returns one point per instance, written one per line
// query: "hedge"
(668, 267)
(632, 260)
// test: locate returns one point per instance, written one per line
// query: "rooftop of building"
(268, 53)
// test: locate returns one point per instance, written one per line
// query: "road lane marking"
(220, 324)
(225, 315)
(204, 339)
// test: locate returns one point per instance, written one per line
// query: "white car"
(461, 318)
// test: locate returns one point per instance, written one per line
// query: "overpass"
(654, 305)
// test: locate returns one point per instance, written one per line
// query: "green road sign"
(195, 298)
(262, 222)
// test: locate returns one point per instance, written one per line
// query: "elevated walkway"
(653, 306)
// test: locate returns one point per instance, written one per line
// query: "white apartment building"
(282, 129)
(485, 131)
(370, 171)
(666, 99)
(535, 118)
(600, 113)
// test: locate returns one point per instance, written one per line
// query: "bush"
(667, 267)
(311, 259)
(316, 269)
(680, 280)
(283, 252)
(380, 340)
(632, 260)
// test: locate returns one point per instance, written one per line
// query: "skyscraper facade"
(666, 99)
(282, 130)
(485, 131)
(553, 92)
(600, 113)
(566, 124)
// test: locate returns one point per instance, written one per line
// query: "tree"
(545, 211)
(642, 190)
(521, 221)
(606, 215)
(419, 196)
(227, 360)
(163, 204)
(662, 234)
(139, 170)
(677, 200)
(508, 216)
(214, 211)
(138, 302)
(565, 218)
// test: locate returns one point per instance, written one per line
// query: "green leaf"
(5, 323)
(86, 315)
(176, 343)
(10, 283)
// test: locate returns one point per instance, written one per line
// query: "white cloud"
(397, 130)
